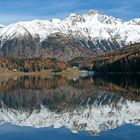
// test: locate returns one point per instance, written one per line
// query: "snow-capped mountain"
(77, 35)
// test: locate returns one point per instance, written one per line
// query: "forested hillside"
(126, 59)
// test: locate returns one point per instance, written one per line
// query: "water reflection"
(92, 104)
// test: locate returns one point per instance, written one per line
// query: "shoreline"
(69, 73)
(18, 74)
(65, 73)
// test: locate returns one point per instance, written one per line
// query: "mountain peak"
(92, 12)
(74, 17)
(88, 13)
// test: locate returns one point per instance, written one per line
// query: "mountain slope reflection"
(87, 104)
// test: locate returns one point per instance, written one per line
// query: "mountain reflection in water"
(92, 104)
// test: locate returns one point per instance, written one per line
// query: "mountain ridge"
(90, 32)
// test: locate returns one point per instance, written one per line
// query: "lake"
(57, 107)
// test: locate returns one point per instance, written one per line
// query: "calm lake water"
(85, 108)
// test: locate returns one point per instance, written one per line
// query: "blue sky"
(22, 10)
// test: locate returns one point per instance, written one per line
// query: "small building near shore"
(14, 70)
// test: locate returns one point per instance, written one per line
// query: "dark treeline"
(126, 59)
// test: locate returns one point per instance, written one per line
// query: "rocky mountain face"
(90, 34)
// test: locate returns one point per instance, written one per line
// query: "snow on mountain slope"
(135, 21)
(93, 119)
(92, 30)
(90, 25)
